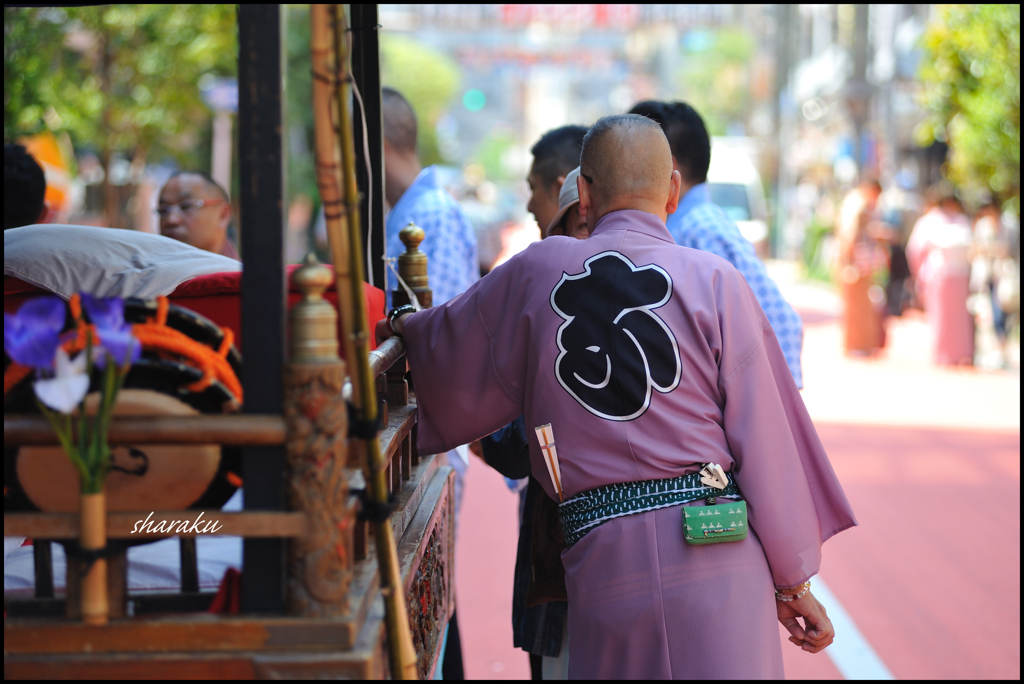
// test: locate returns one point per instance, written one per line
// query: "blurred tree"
(971, 87)
(428, 79)
(28, 56)
(301, 177)
(714, 77)
(122, 79)
(492, 152)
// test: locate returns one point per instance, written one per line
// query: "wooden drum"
(146, 477)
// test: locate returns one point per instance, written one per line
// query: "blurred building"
(847, 105)
(530, 68)
(832, 86)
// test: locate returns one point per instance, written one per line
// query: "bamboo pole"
(93, 537)
(342, 217)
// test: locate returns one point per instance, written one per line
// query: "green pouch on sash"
(726, 522)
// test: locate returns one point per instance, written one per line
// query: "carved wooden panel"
(430, 590)
(320, 562)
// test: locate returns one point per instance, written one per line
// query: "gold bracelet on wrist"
(799, 592)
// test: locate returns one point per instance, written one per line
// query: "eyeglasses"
(587, 178)
(188, 207)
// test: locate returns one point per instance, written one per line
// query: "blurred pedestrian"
(194, 209)
(24, 188)
(939, 251)
(700, 224)
(644, 361)
(899, 207)
(994, 275)
(554, 156)
(861, 259)
(415, 195)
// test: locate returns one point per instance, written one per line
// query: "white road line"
(850, 652)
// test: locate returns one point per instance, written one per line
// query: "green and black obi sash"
(594, 507)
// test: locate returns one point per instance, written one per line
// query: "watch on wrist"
(395, 313)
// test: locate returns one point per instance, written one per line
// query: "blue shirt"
(450, 241)
(700, 224)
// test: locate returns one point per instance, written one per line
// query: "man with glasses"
(196, 210)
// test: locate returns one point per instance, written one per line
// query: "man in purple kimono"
(648, 360)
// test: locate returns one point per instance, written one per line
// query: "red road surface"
(930, 459)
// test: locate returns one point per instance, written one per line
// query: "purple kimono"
(648, 359)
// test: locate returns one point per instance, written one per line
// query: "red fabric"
(16, 292)
(229, 595)
(216, 296)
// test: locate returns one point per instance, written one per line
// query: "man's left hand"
(816, 632)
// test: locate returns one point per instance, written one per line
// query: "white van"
(735, 186)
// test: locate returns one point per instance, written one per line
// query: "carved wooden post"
(412, 267)
(319, 563)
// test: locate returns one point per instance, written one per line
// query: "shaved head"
(399, 121)
(626, 163)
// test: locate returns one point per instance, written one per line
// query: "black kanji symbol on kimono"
(613, 348)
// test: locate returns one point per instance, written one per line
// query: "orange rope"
(14, 374)
(212, 364)
(227, 342)
(156, 336)
(75, 304)
(163, 305)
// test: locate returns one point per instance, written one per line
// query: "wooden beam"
(117, 667)
(384, 357)
(193, 633)
(200, 633)
(256, 430)
(121, 525)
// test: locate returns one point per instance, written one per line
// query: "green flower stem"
(112, 381)
(83, 422)
(63, 430)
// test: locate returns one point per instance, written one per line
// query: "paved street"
(928, 586)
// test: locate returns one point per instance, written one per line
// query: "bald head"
(399, 121)
(626, 163)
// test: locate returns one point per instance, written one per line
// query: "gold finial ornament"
(314, 321)
(411, 236)
(412, 268)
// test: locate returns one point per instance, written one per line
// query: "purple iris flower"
(115, 335)
(104, 313)
(32, 335)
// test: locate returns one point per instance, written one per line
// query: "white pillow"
(105, 262)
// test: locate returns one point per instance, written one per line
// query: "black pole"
(261, 175)
(366, 73)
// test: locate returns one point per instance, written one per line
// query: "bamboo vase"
(93, 536)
